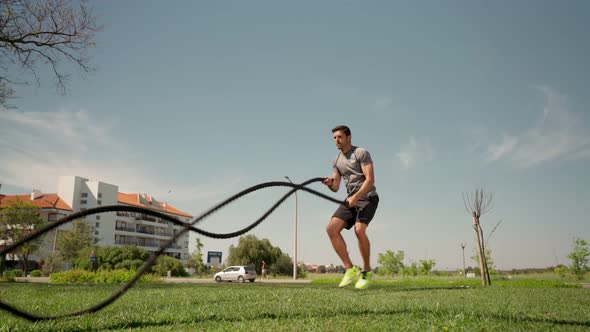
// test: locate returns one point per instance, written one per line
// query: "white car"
(236, 273)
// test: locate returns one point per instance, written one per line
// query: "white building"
(51, 208)
(115, 228)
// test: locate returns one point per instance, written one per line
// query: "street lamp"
(295, 235)
(56, 231)
(463, 247)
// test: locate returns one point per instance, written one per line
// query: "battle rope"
(151, 260)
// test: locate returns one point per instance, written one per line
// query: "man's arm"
(334, 182)
(365, 187)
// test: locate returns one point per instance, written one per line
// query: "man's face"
(342, 141)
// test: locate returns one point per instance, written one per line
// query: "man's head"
(342, 137)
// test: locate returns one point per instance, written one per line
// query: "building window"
(84, 195)
(99, 202)
(99, 195)
(55, 216)
(97, 225)
(96, 232)
(83, 201)
(97, 217)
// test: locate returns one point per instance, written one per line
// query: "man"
(263, 270)
(355, 165)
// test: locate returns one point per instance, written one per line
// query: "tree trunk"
(2, 263)
(25, 264)
(485, 259)
(479, 253)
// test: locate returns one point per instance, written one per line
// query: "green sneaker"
(349, 276)
(364, 281)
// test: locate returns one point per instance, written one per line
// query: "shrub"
(100, 277)
(562, 271)
(114, 258)
(215, 269)
(165, 264)
(35, 273)
(11, 274)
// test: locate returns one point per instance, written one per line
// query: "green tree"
(579, 257)
(410, 270)
(489, 260)
(195, 260)
(70, 243)
(17, 220)
(561, 271)
(252, 251)
(284, 266)
(390, 262)
(126, 257)
(166, 263)
(47, 32)
(426, 265)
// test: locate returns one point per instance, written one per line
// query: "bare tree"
(43, 31)
(476, 205)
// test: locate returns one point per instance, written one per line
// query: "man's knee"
(334, 227)
(360, 229)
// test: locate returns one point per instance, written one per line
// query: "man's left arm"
(365, 187)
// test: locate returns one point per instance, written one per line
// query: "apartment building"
(76, 193)
(51, 208)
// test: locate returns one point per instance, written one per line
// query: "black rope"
(152, 259)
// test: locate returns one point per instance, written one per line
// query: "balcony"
(143, 243)
(152, 219)
(126, 229)
(125, 214)
(145, 230)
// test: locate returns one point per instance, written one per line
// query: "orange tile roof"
(133, 199)
(44, 201)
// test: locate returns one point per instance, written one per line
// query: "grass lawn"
(426, 306)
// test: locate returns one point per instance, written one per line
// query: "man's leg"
(360, 229)
(333, 229)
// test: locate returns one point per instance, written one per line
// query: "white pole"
(294, 236)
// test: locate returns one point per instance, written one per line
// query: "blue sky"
(194, 101)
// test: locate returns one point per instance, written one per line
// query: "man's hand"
(328, 181)
(351, 201)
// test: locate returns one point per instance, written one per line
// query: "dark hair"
(345, 129)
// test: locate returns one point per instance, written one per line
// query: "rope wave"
(152, 259)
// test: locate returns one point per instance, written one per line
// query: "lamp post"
(55, 234)
(295, 235)
(463, 247)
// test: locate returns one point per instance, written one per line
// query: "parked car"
(236, 273)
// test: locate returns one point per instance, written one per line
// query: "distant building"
(112, 228)
(51, 208)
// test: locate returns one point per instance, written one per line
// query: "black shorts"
(364, 211)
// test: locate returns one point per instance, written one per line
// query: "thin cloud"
(382, 103)
(499, 150)
(414, 152)
(36, 148)
(557, 133)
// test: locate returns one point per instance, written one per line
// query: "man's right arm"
(333, 182)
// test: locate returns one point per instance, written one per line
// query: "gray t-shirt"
(349, 167)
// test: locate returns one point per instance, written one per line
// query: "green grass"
(303, 307)
(536, 280)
